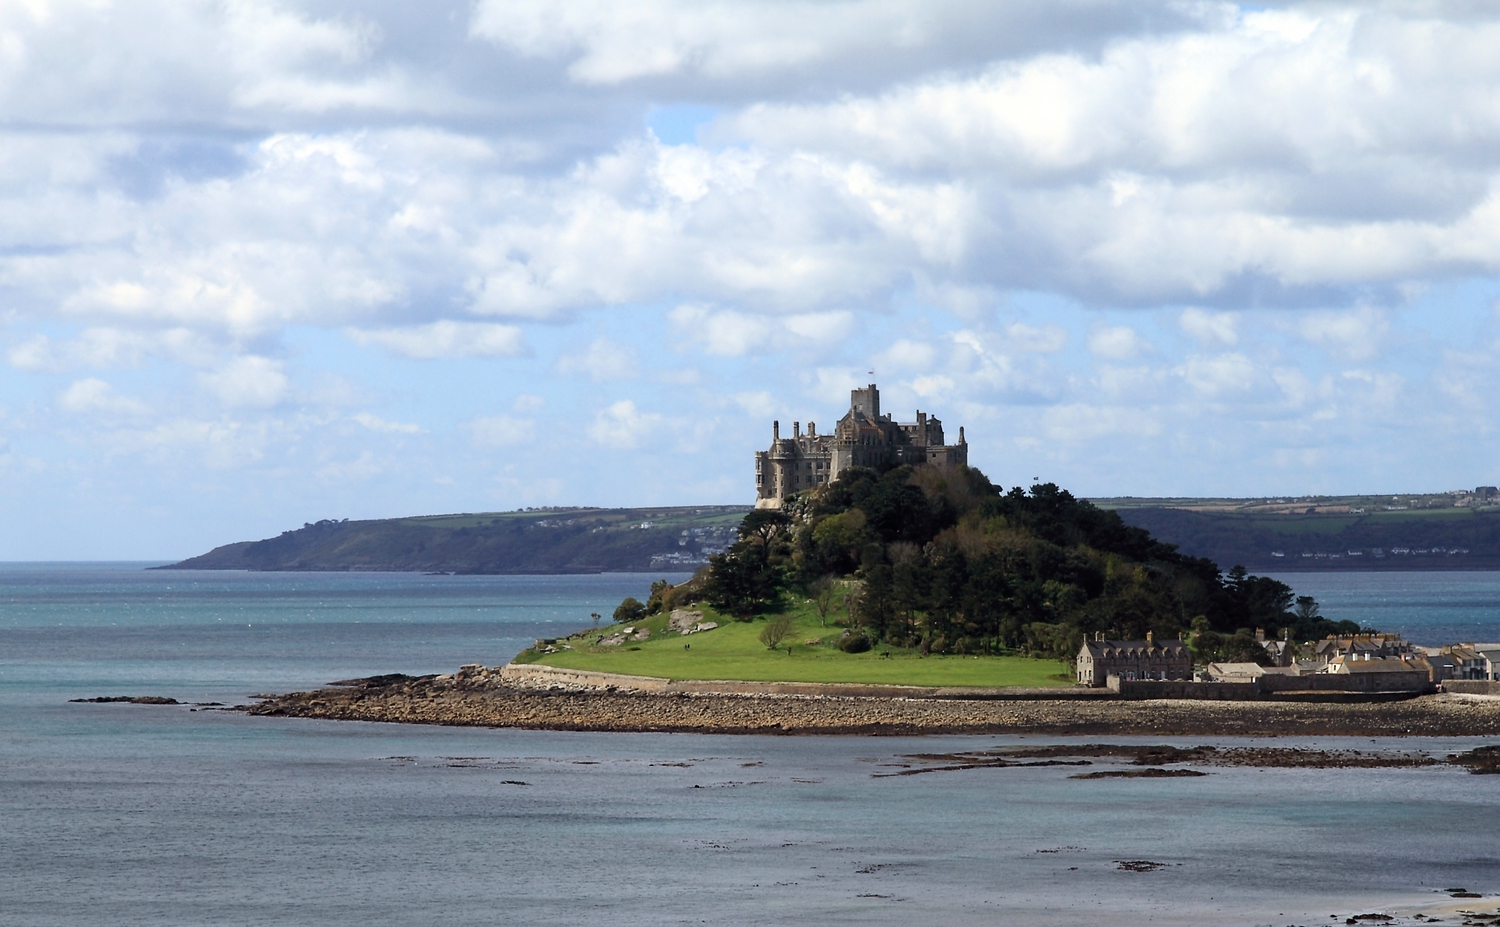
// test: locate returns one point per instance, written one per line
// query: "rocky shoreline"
(484, 701)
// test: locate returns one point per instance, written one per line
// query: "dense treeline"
(944, 561)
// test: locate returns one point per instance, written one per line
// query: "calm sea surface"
(1428, 608)
(124, 814)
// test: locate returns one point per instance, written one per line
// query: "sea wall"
(1471, 686)
(1205, 691)
(540, 677)
(1279, 687)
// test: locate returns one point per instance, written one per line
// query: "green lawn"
(733, 651)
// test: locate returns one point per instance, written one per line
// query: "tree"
(946, 560)
(824, 593)
(775, 630)
(740, 584)
(1307, 609)
(763, 528)
(629, 611)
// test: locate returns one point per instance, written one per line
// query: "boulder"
(682, 620)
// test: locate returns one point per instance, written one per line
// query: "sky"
(264, 263)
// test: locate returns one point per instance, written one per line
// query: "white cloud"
(1079, 422)
(725, 333)
(730, 333)
(94, 396)
(906, 354)
(1117, 342)
(758, 404)
(942, 190)
(820, 327)
(623, 426)
(721, 40)
(1210, 328)
(934, 387)
(1220, 375)
(253, 382)
(361, 468)
(98, 348)
(222, 444)
(1009, 364)
(446, 339)
(602, 360)
(502, 430)
(1356, 335)
(380, 425)
(1036, 339)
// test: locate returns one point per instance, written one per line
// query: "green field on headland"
(733, 651)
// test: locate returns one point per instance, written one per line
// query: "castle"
(862, 438)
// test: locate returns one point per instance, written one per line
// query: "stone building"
(862, 438)
(1099, 659)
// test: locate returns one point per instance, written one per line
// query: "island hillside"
(553, 540)
(932, 576)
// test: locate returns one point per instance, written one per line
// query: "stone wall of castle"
(862, 438)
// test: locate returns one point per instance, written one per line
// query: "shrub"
(775, 630)
(855, 642)
(629, 611)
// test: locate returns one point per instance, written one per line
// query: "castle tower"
(862, 438)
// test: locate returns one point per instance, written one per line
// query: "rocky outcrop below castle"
(483, 697)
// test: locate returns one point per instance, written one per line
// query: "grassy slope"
(734, 651)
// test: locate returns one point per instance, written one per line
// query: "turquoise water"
(124, 814)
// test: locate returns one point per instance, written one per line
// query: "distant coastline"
(664, 539)
(1331, 536)
(1339, 535)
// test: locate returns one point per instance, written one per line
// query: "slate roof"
(1104, 650)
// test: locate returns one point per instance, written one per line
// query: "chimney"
(1150, 637)
(1098, 636)
(961, 435)
(775, 431)
(1260, 635)
(812, 429)
(796, 429)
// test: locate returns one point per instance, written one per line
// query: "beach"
(443, 700)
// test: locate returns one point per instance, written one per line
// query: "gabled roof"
(1236, 669)
(1377, 665)
(1139, 648)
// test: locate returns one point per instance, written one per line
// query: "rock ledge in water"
(132, 699)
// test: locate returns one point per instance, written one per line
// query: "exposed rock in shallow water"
(377, 682)
(132, 699)
(1150, 772)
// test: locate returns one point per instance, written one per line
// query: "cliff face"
(551, 541)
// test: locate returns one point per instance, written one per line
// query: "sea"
(123, 814)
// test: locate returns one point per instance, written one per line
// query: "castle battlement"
(862, 438)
